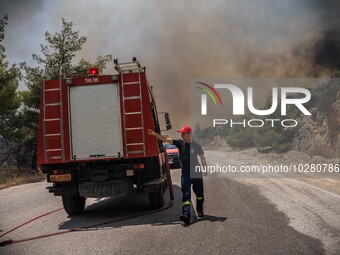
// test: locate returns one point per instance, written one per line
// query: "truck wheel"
(73, 205)
(156, 198)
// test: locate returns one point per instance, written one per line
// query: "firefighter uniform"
(190, 176)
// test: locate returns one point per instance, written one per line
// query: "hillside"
(319, 134)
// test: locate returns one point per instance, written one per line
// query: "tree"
(9, 101)
(61, 50)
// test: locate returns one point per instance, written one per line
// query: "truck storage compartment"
(95, 121)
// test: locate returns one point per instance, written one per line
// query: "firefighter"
(189, 151)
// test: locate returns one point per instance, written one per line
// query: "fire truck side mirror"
(167, 121)
(164, 125)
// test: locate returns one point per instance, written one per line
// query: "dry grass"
(12, 177)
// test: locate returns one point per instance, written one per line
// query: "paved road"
(240, 219)
(311, 210)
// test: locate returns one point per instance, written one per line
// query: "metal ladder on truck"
(137, 145)
(54, 152)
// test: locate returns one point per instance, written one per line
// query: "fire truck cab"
(93, 140)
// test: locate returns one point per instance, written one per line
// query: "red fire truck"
(93, 140)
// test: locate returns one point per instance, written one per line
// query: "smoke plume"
(180, 41)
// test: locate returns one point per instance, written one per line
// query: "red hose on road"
(29, 222)
(10, 241)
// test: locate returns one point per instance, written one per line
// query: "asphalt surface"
(239, 219)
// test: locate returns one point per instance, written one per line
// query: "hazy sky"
(179, 41)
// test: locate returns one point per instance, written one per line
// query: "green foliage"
(60, 51)
(241, 139)
(271, 140)
(33, 79)
(12, 135)
(9, 82)
(3, 23)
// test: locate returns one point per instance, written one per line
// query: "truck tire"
(73, 205)
(156, 198)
